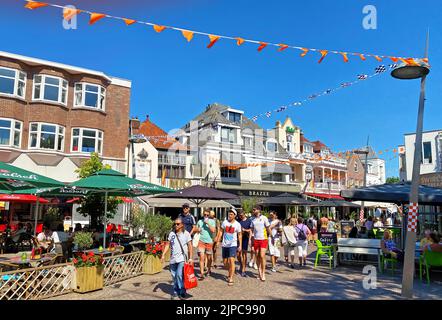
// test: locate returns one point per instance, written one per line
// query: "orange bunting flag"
(129, 21)
(378, 58)
(282, 47)
(411, 62)
(323, 55)
(363, 58)
(394, 150)
(262, 46)
(394, 59)
(188, 35)
(425, 60)
(380, 152)
(304, 52)
(344, 54)
(213, 40)
(95, 17)
(239, 41)
(158, 28)
(69, 13)
(35, 5)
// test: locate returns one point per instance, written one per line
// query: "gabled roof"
(160, 139)
(318, 146)
(305, 140)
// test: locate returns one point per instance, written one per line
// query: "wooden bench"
(360, 246)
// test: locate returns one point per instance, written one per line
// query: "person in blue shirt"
(246, 224)
(188, 219)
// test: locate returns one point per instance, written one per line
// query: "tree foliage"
(155, 226)
(93, 205)
(393, 180)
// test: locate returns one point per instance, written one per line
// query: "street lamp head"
(361, 151)
(138, 138)
(414, 70)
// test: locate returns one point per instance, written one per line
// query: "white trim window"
(87, 140)
(10, 132)
(89, 96)
(46, 136)
(12, 82)
(48, 88)
(272, 146)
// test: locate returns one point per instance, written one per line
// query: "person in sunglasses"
(206, 227)
(181, 250)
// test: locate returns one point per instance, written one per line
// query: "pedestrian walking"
(323, 222)
(245, 236)
(275, 239)
(212, 215)
(206, 227)
(231, 243)
(181, 250)
(288, 239)
(188, 219)
(302, 243)
(260, 233)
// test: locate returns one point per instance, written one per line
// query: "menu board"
(346, 227)
(328, 238)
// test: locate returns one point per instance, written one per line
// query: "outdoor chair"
(430, 259)
(384, 263)
(323, 250)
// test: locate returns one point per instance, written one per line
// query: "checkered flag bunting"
(413, 211)
(313, 96)
(380, 69)
(392, 66)
(345, 84)
(362, 77)
(268, 114)
(254, 118)
(328, 91)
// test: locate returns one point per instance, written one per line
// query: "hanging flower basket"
(89, 273)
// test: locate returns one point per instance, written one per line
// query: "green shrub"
(83, 240)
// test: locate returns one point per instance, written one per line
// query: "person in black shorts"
(245, 231)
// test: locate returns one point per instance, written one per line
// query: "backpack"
(301, 234)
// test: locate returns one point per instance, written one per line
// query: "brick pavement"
(345, 282)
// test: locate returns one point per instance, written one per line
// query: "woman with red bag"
(180, 244)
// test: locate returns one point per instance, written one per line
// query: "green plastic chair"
(430, 259)
(323, 250)
(393, 262)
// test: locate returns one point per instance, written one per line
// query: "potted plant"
(152, 258)
(89, 272)
(165, 226)
(83, 240)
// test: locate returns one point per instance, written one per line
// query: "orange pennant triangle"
(282, 47)
(378, 58)
(213, 40)
(239, 41)
(323, 55)
(425, 60)
(187, 34)
(158, 28)
(304, 52)
(344, 54)
(262, 46)
(411, 62)
(362, 57)
(394, 59)
(69, 13)
(35, 5)
(95, 17)
(129, 21)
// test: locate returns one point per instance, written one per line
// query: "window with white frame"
(87, 140)
(10, 132)
(48, 88)
(228, 135)
(12, 82)
(227, 172)
(248, 142)
(427, 154)
(46, 136)
(89, 96)
(272, 146)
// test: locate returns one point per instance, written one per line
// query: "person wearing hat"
(231, 243)
(188, 219)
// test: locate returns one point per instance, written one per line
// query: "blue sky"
(174, 80)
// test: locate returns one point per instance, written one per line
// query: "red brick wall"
(113, 122)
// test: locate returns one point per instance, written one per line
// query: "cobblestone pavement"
(345, 282)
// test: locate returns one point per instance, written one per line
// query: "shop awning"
(325, 196)
(277, 168)
(23, 198)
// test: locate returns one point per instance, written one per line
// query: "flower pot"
(89, 279)
(152, 264)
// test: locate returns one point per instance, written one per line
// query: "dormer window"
(234, 117)
(272, 146)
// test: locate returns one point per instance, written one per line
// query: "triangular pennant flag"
(158, 28)
(262, 46)
(69, 13)
(363, 58)
(213, 40)
(282, 47)
(129, 21)
(239, 41)
(323, 55)
(425, 60)
(304, 52)
(378, 58)
(95, 17)
(35, 5)
(344, 54)
(187, 34)
(411, 62)
(394, 59)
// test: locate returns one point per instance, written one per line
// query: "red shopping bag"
(190, 280)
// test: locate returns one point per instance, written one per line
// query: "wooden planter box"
(89, 279)
(152, 265)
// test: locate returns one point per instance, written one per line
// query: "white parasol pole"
(36, 216)
(105, 213)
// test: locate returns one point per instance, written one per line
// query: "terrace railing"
(122, 267)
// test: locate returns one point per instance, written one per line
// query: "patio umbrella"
(200, 194)
(114, 183)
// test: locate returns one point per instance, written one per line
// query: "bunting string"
(94, 17)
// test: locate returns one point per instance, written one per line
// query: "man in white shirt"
(260, 234)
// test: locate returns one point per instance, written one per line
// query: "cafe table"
(104, 252)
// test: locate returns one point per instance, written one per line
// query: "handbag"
(189, 277)
(196, 239)
(291, 244)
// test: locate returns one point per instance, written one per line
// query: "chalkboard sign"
(328, 238)
(346, 227)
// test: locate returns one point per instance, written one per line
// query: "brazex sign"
(253, 193)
